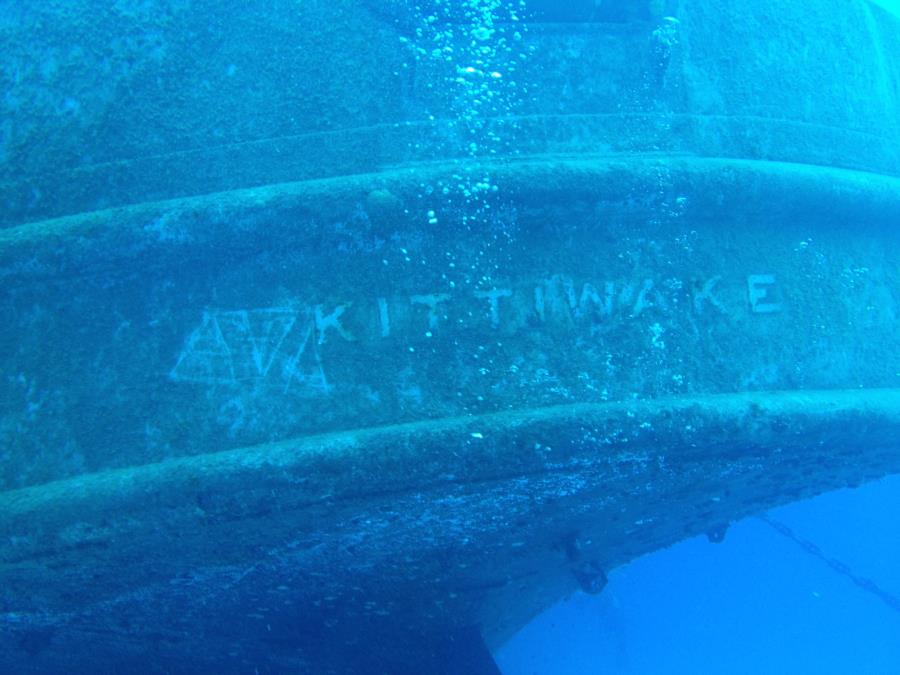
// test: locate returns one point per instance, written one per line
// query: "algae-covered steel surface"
(214, 323)
(115, 103)
(310, 361)
(322, 553)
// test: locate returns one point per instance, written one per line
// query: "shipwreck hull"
(371, 401)
(493, 446)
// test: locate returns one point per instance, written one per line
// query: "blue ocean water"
(891, 5)
(343, 346)
(758, 602)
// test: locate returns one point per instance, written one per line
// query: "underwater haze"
(892, 5)
(756, 603)
(450, 337)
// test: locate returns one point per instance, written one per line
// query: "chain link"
(841, 568)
